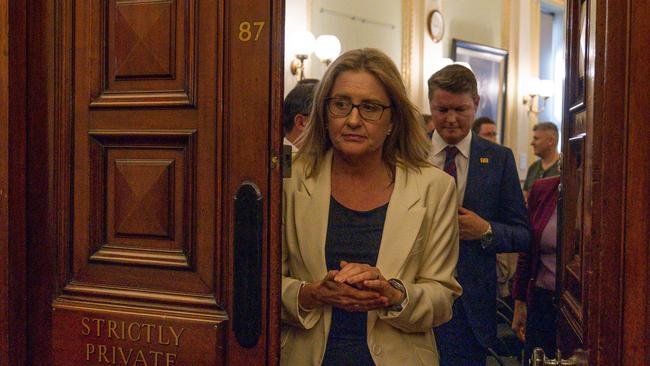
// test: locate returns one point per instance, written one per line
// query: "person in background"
(297, 105)
(545, 139)
(534, 285)
(492, 218)
(485, 128)
(370, 239)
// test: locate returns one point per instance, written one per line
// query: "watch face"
(487, 238)
(435, 25)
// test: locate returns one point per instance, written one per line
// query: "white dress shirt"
(294, 148)
(462, 160)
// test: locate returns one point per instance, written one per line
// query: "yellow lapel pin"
(484, 160)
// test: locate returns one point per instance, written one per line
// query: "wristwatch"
(488, 236)
(400, 286)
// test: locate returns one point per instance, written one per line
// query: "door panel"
(157, 123)
(146, 52)
(144, 220)
(576, 193)
(100, 336)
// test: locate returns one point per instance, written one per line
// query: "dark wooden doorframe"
(12, 181)
(635, 344)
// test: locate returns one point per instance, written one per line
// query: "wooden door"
(153, 227)
(576, 191)
(602, 273)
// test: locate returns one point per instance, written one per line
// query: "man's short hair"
(546, 126)
(455, 79)
(298, 101)
(549, 127)
(476, 127)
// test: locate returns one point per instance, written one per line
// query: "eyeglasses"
(341, 107)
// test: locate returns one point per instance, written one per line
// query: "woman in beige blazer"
(370, 233)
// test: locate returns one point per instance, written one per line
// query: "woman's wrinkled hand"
(366, 277)
(338, 294)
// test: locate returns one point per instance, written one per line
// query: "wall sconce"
(538, 89)
(302, 44)
(328, 48)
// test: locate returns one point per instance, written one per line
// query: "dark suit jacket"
(542, 202)
(493, 192)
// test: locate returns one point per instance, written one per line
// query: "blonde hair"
(406, 145)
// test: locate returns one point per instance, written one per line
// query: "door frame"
(636, 276)
(13, 339)
(275, 184)
(608, 60)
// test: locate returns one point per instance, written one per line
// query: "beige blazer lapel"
(403, 220)
(311, 215)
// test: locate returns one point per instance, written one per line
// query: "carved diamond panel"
(142, 184)
(143, 39)
(147, 53)
(140, 206)
(142, 200)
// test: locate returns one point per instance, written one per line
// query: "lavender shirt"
(548, 242)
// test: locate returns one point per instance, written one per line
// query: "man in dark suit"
(492, 218)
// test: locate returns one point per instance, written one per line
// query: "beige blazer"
(419, 246)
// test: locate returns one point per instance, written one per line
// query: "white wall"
(477, 21)
(376, 24)
(296, 18)
(472, 20)
(363, 31)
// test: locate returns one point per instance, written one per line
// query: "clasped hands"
(355, 287)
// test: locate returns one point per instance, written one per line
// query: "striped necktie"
(450, 160)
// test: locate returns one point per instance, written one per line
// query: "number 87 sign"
(246, 30)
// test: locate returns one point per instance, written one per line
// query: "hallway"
(141, 175)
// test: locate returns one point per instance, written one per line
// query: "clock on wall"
(435, 25)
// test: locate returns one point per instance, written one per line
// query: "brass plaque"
(97, 337)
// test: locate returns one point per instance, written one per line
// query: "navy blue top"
(352, 236)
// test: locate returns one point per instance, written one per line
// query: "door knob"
(538, 358)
